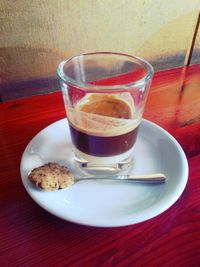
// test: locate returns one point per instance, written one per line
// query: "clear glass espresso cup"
(104, 95)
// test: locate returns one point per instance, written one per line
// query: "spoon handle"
(148, 178)
(155, 178)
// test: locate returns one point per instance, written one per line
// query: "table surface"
(30, 236)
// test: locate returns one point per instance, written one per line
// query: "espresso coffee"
(103, 146)
(102, 125)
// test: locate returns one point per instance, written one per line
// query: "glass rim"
(89, 86)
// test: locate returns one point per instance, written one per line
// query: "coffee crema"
(100, 125)
(107, 105)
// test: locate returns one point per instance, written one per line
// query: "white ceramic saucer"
(109, 203)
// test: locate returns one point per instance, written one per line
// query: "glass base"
(102, 167)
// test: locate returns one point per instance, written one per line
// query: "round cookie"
(51, 177)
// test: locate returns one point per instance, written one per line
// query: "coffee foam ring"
(100, 125)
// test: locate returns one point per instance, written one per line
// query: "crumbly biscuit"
(51, 177)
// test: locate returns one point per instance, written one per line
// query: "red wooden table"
(32, 237)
